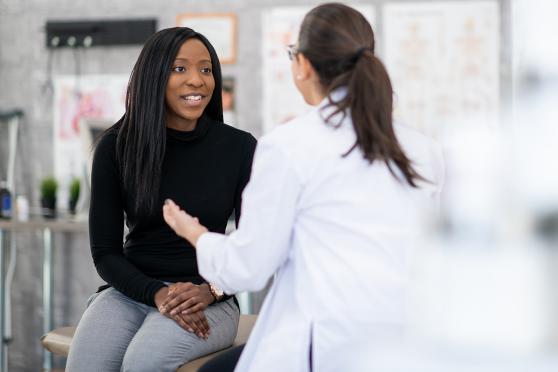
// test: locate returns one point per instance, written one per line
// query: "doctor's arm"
(246, 259)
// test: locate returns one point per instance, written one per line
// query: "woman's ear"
(305, 69)
(307, 80)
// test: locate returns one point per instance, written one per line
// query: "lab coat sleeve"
(245, 260)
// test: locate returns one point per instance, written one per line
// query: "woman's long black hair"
(141, 139)
(339, 43)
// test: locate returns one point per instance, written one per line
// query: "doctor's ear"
(305, 69)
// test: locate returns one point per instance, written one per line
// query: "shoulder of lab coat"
(426, 156)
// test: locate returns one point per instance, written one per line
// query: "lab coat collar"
(336, 95)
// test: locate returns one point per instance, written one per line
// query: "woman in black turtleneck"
(171, 143)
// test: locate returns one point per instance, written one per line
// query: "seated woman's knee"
(146, 361)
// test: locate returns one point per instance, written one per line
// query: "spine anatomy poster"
(443, 59)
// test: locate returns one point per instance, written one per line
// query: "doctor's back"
(356, 223)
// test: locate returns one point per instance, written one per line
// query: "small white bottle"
(22, 208)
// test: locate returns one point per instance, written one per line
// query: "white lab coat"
(336, 231)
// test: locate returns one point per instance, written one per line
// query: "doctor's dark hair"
(339, 43)
(141, 138)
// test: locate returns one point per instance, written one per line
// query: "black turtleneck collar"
(191, 135)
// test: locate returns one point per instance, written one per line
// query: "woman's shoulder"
(107, 139)
(105, 146)
(413, 139)
(298, 131)
(425, 152)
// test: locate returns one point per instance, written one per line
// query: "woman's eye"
(206, 70)
(178, 69)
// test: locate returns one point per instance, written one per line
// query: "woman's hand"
(194, 322)
(186, 298)
(182, 223)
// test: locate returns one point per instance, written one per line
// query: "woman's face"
(190, 85)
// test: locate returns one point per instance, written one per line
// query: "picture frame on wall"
(218, 28)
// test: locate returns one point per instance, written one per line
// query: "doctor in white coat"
(332, 209)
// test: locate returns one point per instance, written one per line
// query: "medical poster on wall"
(443, 59)
(100, 97)
(281, 100)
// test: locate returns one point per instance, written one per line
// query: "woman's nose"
(194, 79)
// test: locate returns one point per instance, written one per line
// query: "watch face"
(217, 292)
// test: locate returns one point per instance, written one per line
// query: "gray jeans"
(117, 333)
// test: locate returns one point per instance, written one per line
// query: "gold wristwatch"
(216, 292)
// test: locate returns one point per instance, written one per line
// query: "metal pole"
(47, 294)
(3, 348)
(12, 129)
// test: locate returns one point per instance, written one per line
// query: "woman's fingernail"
(167, 201)
(173, 312)
(190, 330)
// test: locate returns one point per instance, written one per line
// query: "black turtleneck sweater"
(204, 171)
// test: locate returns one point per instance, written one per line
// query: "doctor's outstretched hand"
(182, 223)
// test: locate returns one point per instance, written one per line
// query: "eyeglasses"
(292, 51)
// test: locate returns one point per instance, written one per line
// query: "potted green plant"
(49, 187)
(75, 185)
